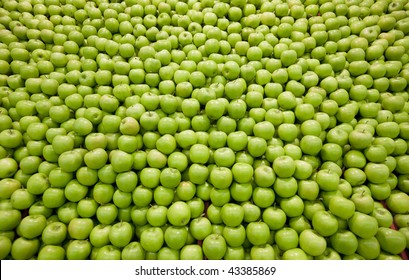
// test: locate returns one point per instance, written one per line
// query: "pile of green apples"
(204, 129)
